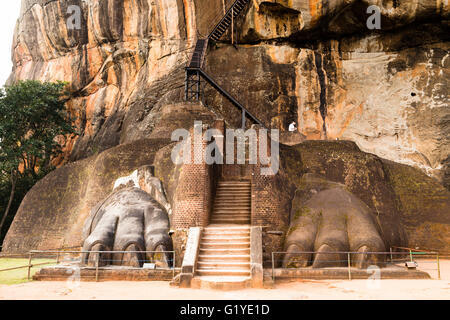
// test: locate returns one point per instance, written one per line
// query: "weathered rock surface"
(53, 213)
(409, 208)
(395, 203)
(311, 61)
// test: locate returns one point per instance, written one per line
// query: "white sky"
(9, 13)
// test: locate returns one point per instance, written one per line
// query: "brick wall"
(195, 191)
(270, 206)
(270, 201)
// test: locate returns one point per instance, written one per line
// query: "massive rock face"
(312, 61)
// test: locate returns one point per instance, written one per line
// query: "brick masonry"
(196, 189)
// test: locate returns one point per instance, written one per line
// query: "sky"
(9, 13)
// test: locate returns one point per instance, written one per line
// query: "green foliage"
(33, 125)
(32, 115)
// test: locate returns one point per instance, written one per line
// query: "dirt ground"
(302, 290)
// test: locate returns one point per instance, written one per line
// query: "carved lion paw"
(128, 220)
(329, 222)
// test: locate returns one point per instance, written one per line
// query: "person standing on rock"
(293, 126)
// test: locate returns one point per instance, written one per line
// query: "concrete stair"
(224, 254)
(224, 258)
(232, 204)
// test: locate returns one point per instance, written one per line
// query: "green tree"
(33, 123)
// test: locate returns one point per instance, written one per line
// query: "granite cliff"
(310, 61)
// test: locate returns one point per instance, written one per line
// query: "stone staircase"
(232, 204)
(224, 253)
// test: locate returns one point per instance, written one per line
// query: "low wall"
(281, 274)
(104, 274)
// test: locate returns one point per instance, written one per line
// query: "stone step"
(233, 192)
(203, 266)
(235, 222)
(239, 251)
(237, 199)
(227, 228)
(226, 245)
(231, 221)
(225, 239)
(221, 282)
(230, 218)
(243, 200)
(233, 210)
(226, 233)
(224, 258)
(222, 272)
(232, 204)
(220, 191)
(233, 195)
(233, 182)
(223, 265)
(234, 187)
(231, 214)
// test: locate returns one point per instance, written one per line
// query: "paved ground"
(325, 289)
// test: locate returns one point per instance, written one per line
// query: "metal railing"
(61, 258)
(391, 258)
(217, 18)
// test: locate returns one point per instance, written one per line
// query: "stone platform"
(221, 283)
(113, 273)
(391, 272)
(63, 273)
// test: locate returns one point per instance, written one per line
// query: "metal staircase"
(195, 72)
(233, 12)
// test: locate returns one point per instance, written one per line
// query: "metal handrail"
(196, 63)
(217, 18)
(227, 95)
(417, 250)
(227, 13)
(349, 253)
